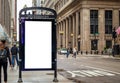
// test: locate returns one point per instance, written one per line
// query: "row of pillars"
(67, 31)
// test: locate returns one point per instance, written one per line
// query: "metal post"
(20, 72)
(55, 72)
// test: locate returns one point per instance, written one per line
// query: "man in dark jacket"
(14, 52)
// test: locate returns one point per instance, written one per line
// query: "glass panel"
(93, 21)
(108, 43)
(108, 22)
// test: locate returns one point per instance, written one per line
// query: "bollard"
(81, 52)
(86, 52)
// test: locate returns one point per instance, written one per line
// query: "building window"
(108, 22)
(108, 43)
(93, 21)
(94, 44)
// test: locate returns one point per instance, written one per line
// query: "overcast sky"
(20, 5)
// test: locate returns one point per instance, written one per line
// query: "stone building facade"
(13, 21)
(5, 16)
(86, 24)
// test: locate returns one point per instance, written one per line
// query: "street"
(90, 68)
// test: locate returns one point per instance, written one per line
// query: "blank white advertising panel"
(38, 45)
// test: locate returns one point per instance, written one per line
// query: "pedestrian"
(8, 54)
(74, 52)
(68, 52)
(14, 52)
(3, 60)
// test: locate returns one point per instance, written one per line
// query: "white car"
(62, 51)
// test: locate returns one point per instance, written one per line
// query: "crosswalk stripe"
(90, 73)
(84, 73)
(105, 73)
(73, 74)
(93, 73)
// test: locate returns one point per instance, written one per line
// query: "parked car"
(62, 51)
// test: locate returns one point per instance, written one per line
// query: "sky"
(20, 5)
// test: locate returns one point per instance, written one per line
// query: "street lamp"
(114, 35)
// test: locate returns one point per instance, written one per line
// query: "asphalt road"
(90, 68)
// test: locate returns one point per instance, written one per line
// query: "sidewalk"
(34, 77)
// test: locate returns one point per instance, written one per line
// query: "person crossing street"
(14, 52)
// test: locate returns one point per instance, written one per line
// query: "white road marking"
(90, 73)
(73, 74)
(83, 73)
(104, 73)
(93, 73)
(103, 70)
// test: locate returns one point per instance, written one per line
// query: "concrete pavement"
(34, 77)
(90, 68)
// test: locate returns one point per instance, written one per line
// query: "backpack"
(3, 56)
(14, 50)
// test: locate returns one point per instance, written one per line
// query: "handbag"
(3, 55)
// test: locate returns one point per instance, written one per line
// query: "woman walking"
(74, 52)
(3, 60)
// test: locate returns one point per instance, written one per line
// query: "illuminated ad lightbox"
(38, 44)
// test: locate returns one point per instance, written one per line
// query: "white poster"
(38, 44)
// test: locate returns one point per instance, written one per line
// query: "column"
(57, 30)
(69, 32)
(63, 33)
(59, 35)
(101, 28)
(115, 18)
(67, 40)
(85, 29)
(74, 31)
(77, 26)
(116, 21)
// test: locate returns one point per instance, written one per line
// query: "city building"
(5, 19)
(38, 3)
(49, 4)
(13, 21)
(87, 24)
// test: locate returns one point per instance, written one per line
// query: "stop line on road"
(90, 73)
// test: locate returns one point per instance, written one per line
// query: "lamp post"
(114, 35)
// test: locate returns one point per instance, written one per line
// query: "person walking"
(14, 52)
(68, 52)
(8, 54)
(3, 60)
(74, 52)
